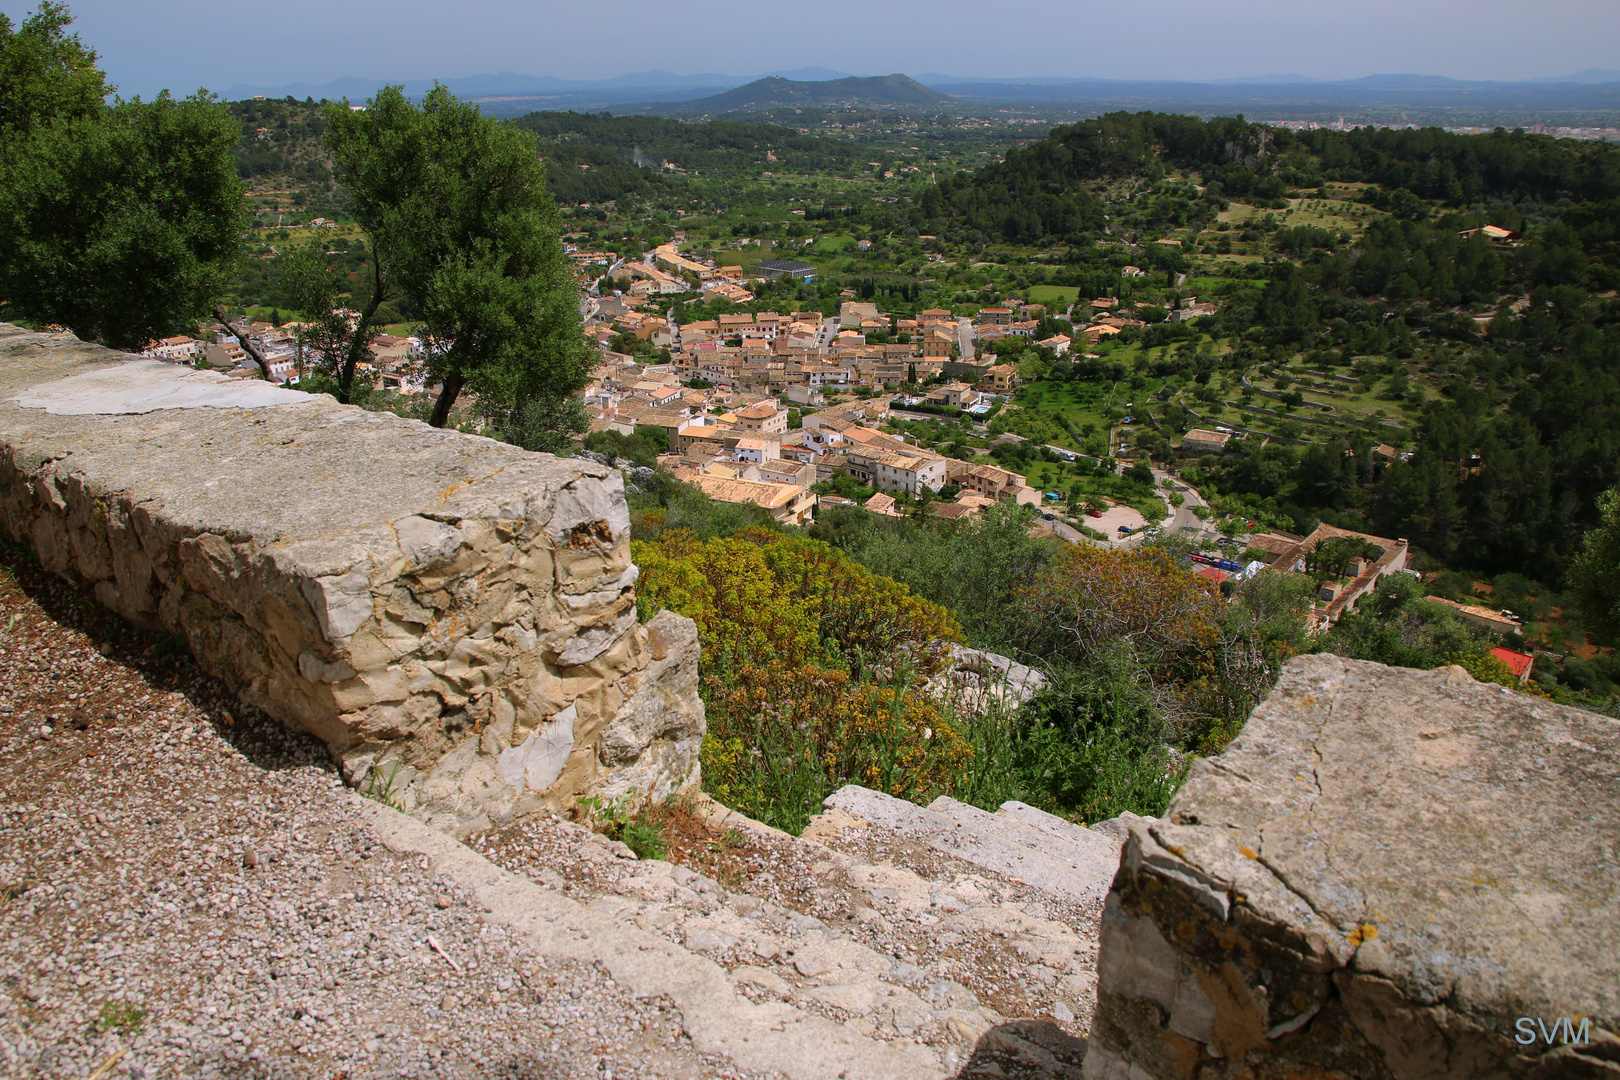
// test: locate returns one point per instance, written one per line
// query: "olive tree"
(1594, 575)
(122, 222)
(465, 231)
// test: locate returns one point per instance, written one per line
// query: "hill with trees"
(594, 157)
(1045, 191)
(774, 91)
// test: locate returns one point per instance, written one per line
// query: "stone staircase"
(896, 940)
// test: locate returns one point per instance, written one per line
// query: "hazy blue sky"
(183, 44)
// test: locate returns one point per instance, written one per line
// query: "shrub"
(810, 670)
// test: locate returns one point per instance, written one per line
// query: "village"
(776, 409)
(753, 404)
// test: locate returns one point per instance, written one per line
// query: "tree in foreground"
(466, 232)
(1594, 576)
(121, 222)
(332, 338)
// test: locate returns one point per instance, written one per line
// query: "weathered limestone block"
(444, 608)
(974, 680)
(1389, 874)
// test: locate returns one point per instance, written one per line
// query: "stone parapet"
(439, 608)
(1389, 874)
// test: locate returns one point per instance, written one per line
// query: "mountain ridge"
(513, 84)
(773, 90)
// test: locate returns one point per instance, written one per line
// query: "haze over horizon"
(185, 44)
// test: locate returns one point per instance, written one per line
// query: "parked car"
(1125, 528)
(1094, 513)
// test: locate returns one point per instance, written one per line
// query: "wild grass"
(380, 787)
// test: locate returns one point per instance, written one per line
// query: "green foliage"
(1594, 577)
(380, 786)
(281, 138)
(1395, 625)
(46, 74)
(810, 667)
(456, 206)
(644, 839)
(642, 447)
(621, 152)
(1043, 192)
(1092, 746)
(974, 567)
(640, 834)
(121, 222)
(123, 1017)
(546, 421)
(332, 342)
(674, 507)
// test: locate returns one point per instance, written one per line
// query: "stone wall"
(1389, 874)
(448, 610)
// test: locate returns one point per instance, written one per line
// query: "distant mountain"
(512, 84)
(502, 84)
(1291, 79)
(774, 92)
(1403, 82)
(1589, 77)
(811, 74)
(935, 79)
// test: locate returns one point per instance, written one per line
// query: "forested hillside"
(1518, 335)
(598, 156)
(1047, 191)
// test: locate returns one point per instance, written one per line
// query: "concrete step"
(1117, 829)
(1098, 844)
(936, 966)
(624, 935)
(1004, 845)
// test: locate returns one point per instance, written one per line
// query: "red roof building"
(1517, 662)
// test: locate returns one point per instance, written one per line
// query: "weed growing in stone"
(641, 834)
(380, 787)
(643, 838)
(122, 1017)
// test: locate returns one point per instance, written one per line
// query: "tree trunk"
(247, 345)
(362, 333)
(447, 398)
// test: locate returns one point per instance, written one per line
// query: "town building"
(1494, 621)
(787, 503)
(765, 418)
(1003, 378)
(775, 268)
(1361, 573)
(999, 485)
(1198, 442)
(892, 470)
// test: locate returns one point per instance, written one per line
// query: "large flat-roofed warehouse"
(774, 268)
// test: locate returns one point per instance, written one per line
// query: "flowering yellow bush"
(810, 671)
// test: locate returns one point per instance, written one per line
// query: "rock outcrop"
(1389, 874)
(975, 680)
(454, 617)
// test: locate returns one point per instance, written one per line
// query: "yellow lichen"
(1363, 934)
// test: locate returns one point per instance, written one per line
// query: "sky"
(148, 45)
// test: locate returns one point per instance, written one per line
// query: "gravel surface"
(185, 890)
